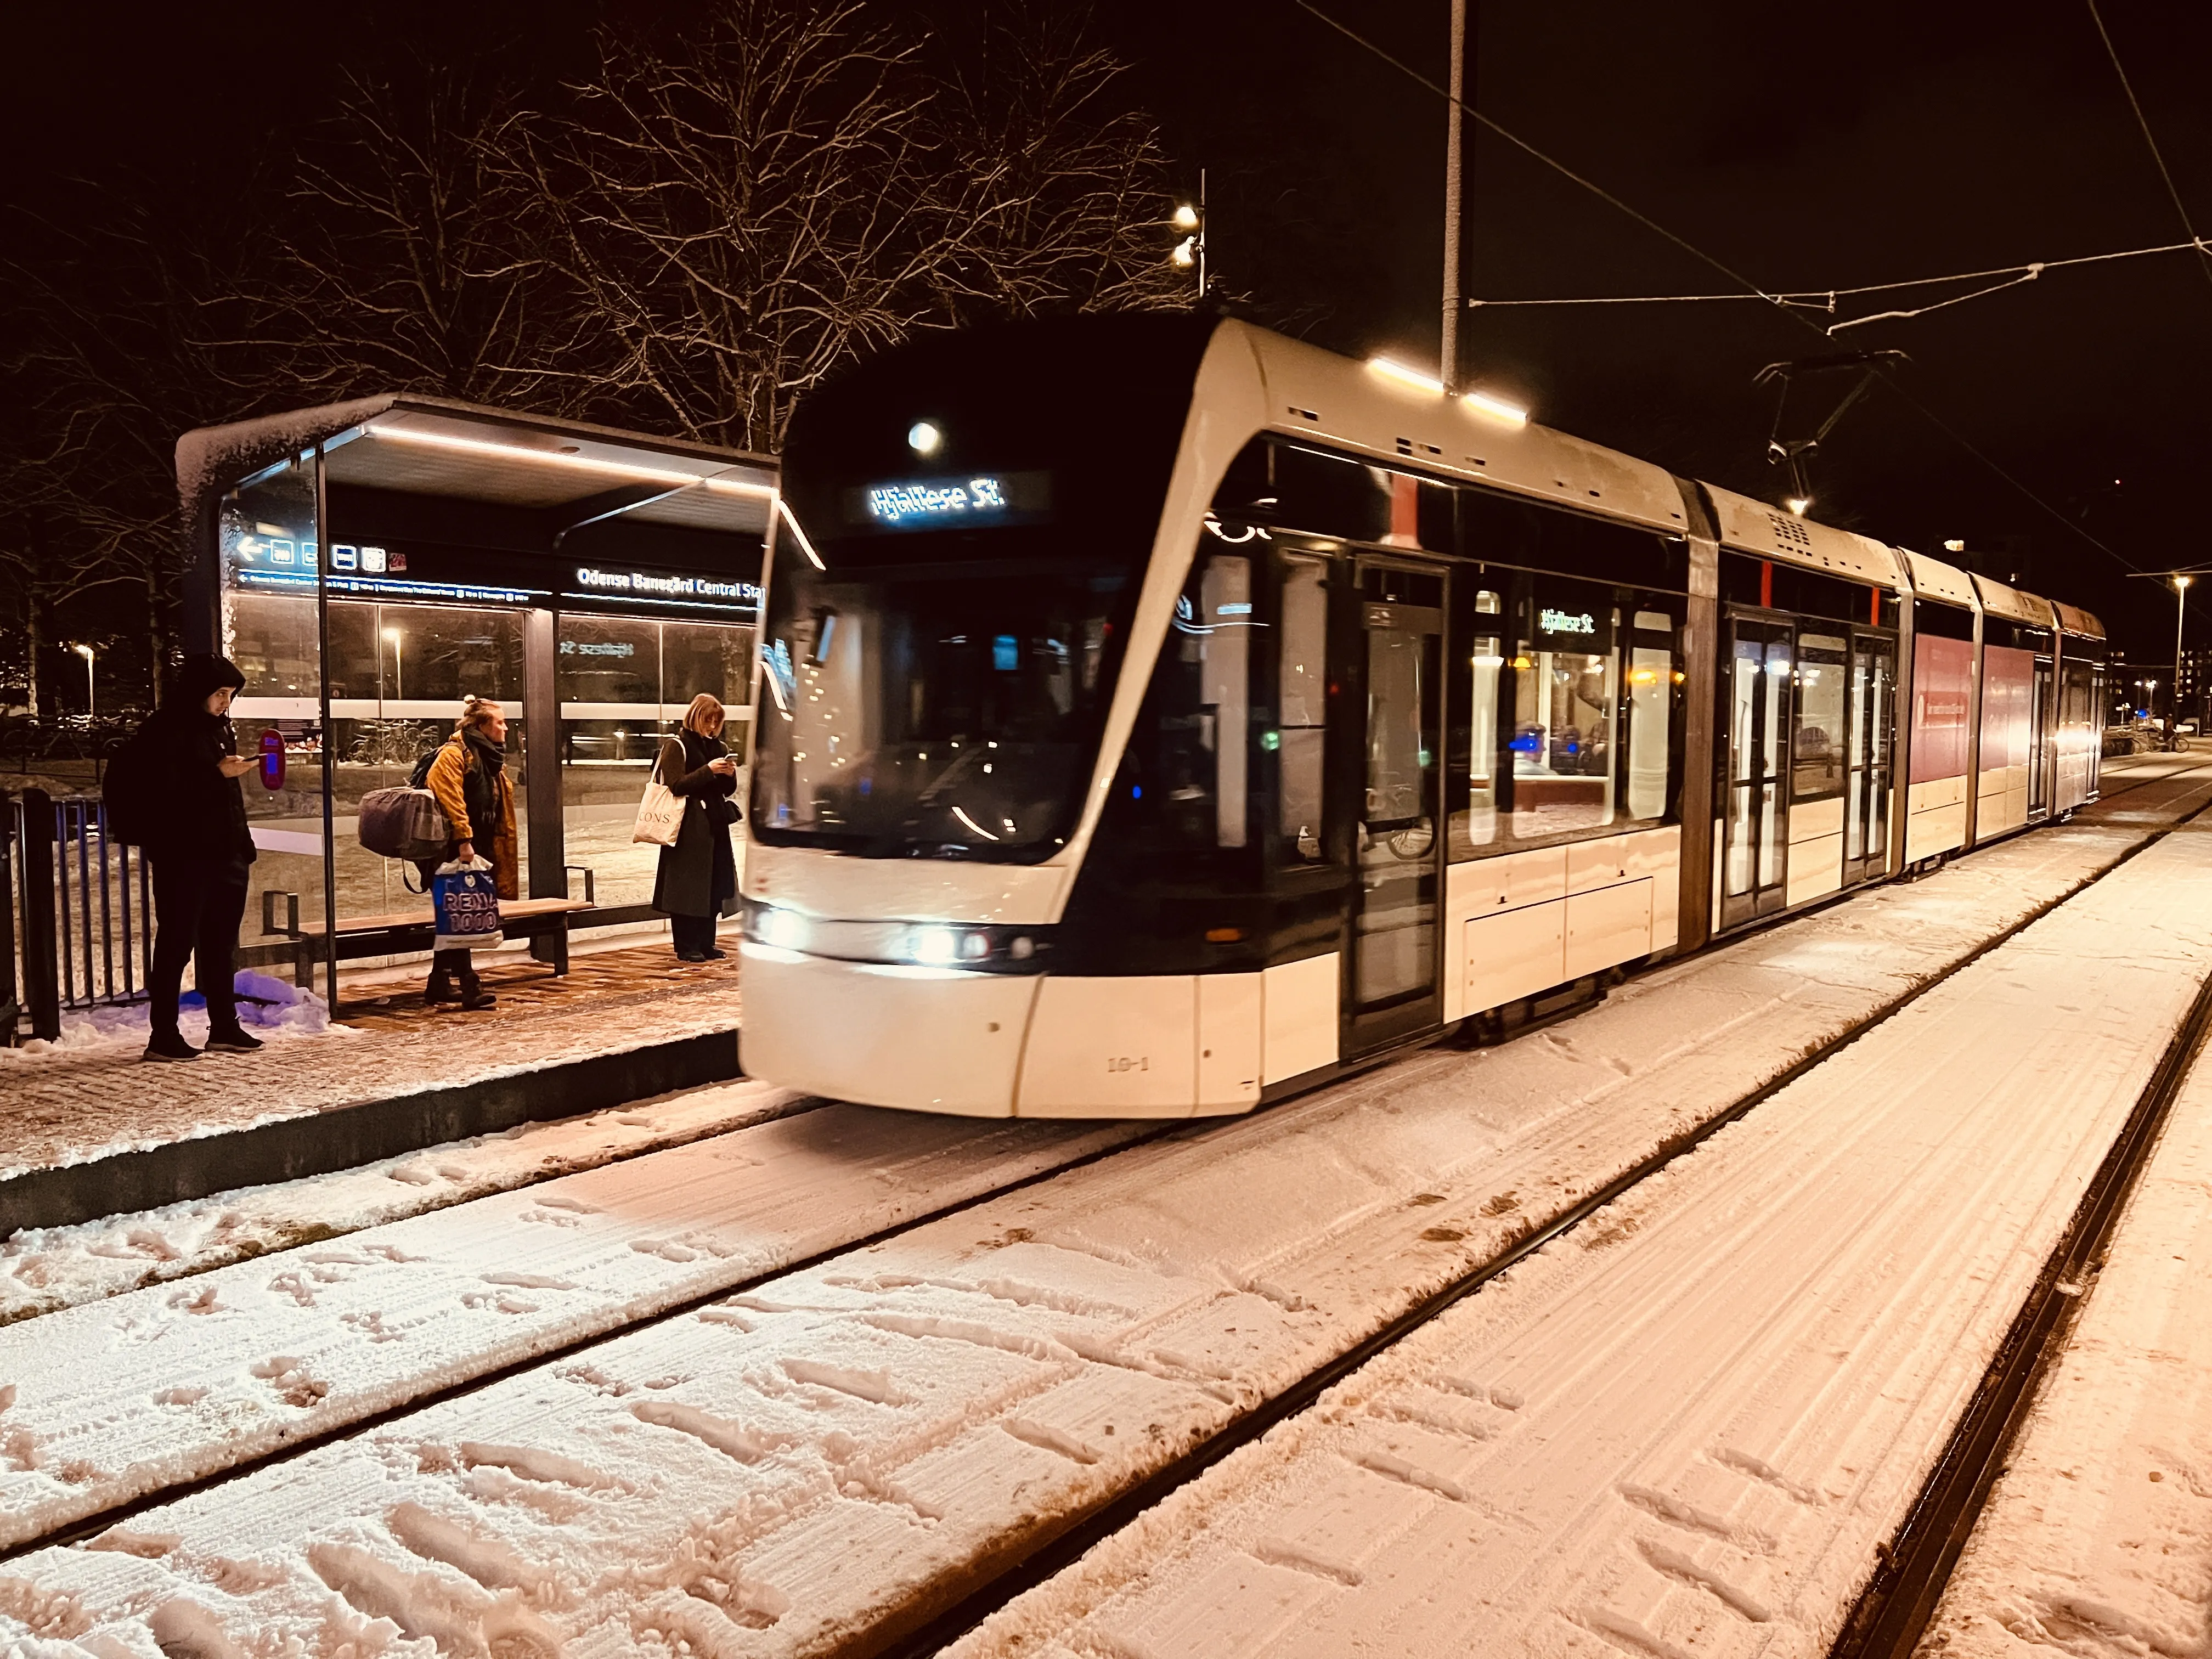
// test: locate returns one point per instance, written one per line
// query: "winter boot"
(236, 1040)
(473, 994)
(169, 1045)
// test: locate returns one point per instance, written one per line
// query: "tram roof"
(1754, 527)
(1349, 405)
(415, 445)
(2075, 621)
(1932, 579)
(2014, 605)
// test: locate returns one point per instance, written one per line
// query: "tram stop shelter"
(368, 564)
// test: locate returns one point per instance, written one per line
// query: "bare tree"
(403, 268)
(800, 188)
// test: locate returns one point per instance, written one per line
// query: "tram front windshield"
(968, 521)
(949, 710)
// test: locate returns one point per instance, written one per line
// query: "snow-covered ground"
(833, 1451)
(1686, 1426)
(2097, 1540)
(275, 1009)
(43, 1269)
(117, 1399)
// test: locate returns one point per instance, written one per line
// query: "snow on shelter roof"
(417, 445)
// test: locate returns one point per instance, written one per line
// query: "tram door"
(1391, 977)
(2040, 730)
(1866, 756)
(1755, 781)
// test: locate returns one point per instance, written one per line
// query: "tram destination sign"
(979, 500)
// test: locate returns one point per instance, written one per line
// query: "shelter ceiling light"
(1799, 504)
(925, 438)
(804, 546)
(556, 458)
(1954, 545)
(1497, 406)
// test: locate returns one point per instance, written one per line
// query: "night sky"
(1807, 148)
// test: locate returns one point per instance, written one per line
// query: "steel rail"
(1895, 1607)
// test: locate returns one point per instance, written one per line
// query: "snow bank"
(44, 1269)
(272, 1008)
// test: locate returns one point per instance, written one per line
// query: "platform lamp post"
(2180, 609)
(2181, 579)
(91, 693)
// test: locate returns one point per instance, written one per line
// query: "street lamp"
(2180, 607)
(90, 711)
(1189, 254)
(398, 668)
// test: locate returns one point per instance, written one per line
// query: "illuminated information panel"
(978, 500)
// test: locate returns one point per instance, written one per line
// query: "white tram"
(1157, 716)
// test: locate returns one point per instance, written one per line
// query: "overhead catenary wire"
(2143, 122)
(1825, 299)
(1751, 290)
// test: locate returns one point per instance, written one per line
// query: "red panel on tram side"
(1942, 691)
(2007, 706)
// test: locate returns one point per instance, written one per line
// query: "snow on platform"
(2097, 1540)
(838, 1450)
(1686, 1427)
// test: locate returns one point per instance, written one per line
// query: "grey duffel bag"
(404, 823)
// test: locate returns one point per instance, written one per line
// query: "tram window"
(1817, 745)
(1544, 538)
(1474, 824)
(1301, 722)
(1187, 770)
(1330, 495)
(1650, 713)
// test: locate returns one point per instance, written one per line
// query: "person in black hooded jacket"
(200, 850)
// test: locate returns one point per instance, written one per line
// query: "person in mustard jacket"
(470, 778)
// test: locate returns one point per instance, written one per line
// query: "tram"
(1156, 716)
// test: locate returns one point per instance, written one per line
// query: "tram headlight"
(785, 930)
(935, 945)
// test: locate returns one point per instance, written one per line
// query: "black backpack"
(419, 777)
(130, 788)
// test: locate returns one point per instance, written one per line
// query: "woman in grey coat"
(698, 879)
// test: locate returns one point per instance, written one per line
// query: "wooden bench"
(409, 930)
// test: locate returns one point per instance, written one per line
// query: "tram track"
(1896, 1607)
(986, 1597)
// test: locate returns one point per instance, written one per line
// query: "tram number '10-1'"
(1124, 1063)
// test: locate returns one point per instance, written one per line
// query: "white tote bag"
(660, 814)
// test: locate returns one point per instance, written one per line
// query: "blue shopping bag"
(465, 897)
